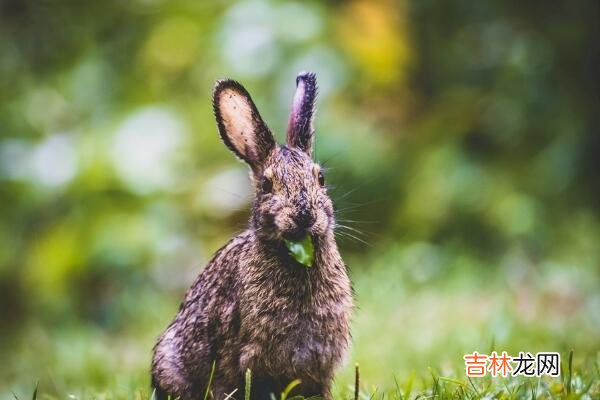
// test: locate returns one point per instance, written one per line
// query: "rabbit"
(254, 306)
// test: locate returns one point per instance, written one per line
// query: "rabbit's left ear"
(240, 125)
(300, 130)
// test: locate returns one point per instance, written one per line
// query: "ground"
(411, 329)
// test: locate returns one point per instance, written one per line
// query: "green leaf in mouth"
(301, 250)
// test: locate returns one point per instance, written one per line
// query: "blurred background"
(461, 145)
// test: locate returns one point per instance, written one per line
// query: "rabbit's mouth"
(295, 234)
(301, 250)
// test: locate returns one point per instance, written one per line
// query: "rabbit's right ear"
(240, 125)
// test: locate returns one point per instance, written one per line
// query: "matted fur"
(253, 306)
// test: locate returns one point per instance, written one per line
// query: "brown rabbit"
(254, 306)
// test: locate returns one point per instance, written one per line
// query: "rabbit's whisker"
(350, 228)
(354, 237)
(347, 208)
(348, 193)
(362, 232)
(355, 221)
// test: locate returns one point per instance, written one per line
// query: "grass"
(574, 384)
(410, 329)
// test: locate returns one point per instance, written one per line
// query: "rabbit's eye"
(266, 185)
(321, 178)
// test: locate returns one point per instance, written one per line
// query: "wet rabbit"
(255, 306)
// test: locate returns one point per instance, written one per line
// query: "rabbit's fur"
(253, 306)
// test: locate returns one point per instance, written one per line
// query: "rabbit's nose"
(304, 219)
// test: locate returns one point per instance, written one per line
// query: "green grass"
(410, 330)
(573, 384)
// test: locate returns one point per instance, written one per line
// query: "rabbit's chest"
(291, 335)
(294, 350)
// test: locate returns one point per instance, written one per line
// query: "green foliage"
(302, 250)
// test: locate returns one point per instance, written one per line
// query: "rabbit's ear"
(240, 125)
(300, 130)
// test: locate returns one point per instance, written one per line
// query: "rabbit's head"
(291, 198)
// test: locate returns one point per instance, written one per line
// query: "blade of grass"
(289, 388)
(35, 391)
(570, 376)
(408, 386)
(248, 387)
(357, 382)
(435, 382)
(456, 382)
(374, 393)
(210, 378)
(398, 392)
(474, 387)
(230, 394)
